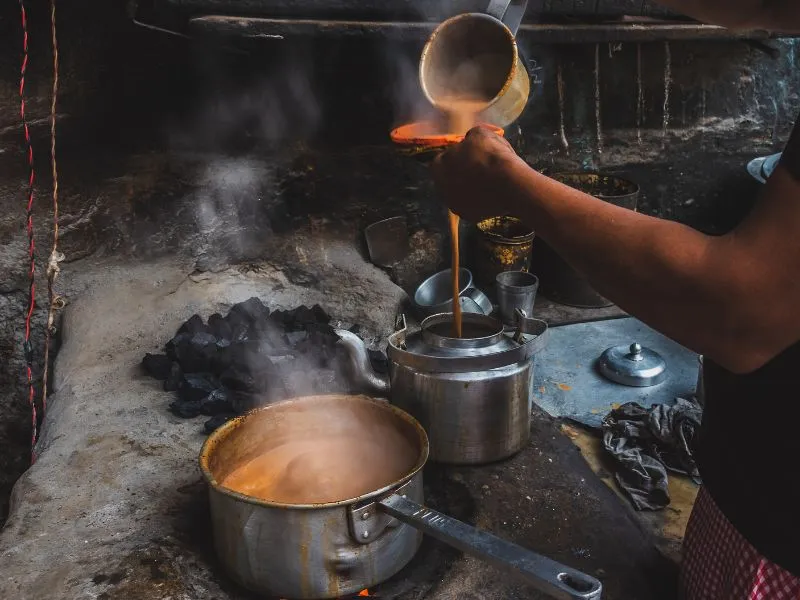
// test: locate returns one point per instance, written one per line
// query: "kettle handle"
(509, 12)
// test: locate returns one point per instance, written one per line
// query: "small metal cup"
(516, 290)
(435, 295)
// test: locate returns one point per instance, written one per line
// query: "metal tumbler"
(516, 290)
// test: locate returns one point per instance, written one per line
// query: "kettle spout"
(364, 377)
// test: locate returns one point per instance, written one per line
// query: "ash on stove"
(251, 357)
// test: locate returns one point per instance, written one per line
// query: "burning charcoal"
(173, 381)
(220, 328)
(187, 410)
(217, 421)
(215, 403)
(320, 315)
(196, 386)
(379, 361)
(193, 325)
(251, 310)
(157, 365)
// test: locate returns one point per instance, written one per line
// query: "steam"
(230, 204)
(408, 101)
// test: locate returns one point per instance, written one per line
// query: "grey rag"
(647, 443)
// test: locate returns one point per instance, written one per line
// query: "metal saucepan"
(328, 550)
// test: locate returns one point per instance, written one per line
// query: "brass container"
(500, 244)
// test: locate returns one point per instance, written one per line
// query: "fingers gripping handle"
(547, 576)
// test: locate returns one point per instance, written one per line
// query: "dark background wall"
(149, 125)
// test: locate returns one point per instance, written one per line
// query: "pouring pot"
(328, 550)
(473, 395)
(475, 56)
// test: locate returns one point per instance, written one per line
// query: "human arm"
(734, 298)
(775, 15)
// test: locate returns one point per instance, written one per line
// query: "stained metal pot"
(472, 395)
(321, 551)
(558, 280)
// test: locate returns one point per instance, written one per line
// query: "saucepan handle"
(510, 12)
(544, 574)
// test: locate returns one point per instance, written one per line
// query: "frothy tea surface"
(332, 468)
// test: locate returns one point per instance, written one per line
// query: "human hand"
(473, 177)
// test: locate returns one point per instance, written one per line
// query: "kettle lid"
(633, 365)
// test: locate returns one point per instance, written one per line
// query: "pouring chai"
(460, 114)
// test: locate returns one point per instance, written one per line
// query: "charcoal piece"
(202, 339)
(157, 365)
(303, 317)
(251, 311)
(195, 352)
(273, 342)
(216, 403)
(293, 338)
(172, 346)
(194, 387)
(320, 315)
(186, 410)
(239, 379)
(242, 402)
(193, 325)
(220, 328)
(379, 361)
(357, 329)
(174, 378)
(217, 421)
(240, 332)
(221, 360)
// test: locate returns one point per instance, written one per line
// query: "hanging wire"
(53, 269)
(28, 349)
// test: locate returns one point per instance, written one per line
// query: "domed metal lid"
(633, 366)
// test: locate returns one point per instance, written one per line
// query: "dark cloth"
(647, 443)
(750, 443)
(790, 159)
(748, 452)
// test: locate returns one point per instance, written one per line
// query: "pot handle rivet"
(365, 534)
(364, 516)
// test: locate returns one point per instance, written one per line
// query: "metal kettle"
(486, 43)
(472, 395)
